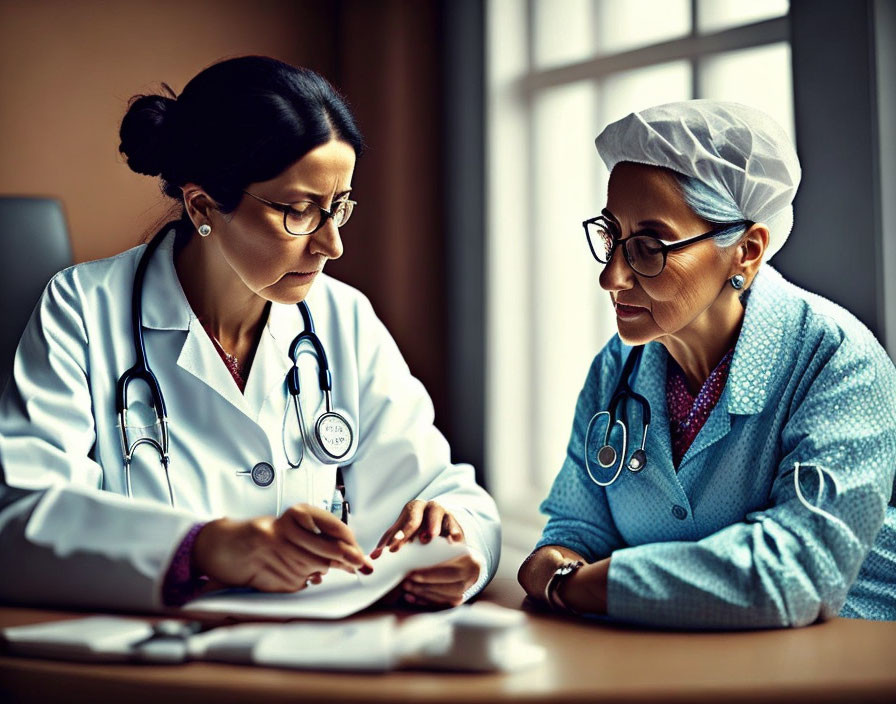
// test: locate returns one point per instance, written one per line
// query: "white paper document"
(339, 594)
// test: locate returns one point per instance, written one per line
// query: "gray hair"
(713, 206)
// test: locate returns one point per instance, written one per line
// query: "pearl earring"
(205, 230)
(737, 282)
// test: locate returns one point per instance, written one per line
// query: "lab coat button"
(680, 512)
(263, 474)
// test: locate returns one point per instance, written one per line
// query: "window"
(557, 72)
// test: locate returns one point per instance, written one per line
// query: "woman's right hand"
(277, 554)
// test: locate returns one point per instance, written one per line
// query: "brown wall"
(388, 67)
(68, 68)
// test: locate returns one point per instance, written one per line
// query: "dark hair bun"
(239, 121)
(146, 133)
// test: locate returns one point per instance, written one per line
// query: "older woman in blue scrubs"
(764, 495)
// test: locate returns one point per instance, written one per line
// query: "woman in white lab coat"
(260, 156)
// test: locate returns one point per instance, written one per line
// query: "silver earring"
(737, 282)
(205, 230)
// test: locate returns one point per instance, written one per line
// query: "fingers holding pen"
(325, 551)
(319, 522)
(325, 537)
(282, 554)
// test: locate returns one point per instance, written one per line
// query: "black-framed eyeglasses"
(645, 253)
(306, 218)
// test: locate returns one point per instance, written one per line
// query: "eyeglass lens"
(644, 254)
(304, 218)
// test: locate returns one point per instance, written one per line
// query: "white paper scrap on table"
(106, 638)
(357, 645)
(339, 594)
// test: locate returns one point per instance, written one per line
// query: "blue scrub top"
(725, 542)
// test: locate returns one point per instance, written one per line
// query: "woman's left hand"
(421, 519)
(441, 585)
(437, 586)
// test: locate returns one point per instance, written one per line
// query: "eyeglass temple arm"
(672, 246)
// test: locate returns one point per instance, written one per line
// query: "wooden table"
(840, 660)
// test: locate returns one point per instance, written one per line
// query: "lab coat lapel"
(165, 307)
(272, 362)
(200, 358)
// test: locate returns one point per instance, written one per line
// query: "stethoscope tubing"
(142, 372)
(325, 382)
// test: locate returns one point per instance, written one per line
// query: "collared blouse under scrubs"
(68, 534)
(724, 541)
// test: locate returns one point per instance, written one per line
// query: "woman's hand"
(277, 554)
(423, 520)
(441, 585)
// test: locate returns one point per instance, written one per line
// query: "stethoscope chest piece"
(637, 461)
(334, 434)
(606, 456)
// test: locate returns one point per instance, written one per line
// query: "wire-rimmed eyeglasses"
(306, 218)
(645, 253)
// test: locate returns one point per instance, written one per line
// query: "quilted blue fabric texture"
(726, 542)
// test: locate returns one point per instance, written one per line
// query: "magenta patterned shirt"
(182, 582)
(687, 414)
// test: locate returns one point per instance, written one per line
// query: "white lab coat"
(68, 533)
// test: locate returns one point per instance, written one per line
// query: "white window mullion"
(508, 393)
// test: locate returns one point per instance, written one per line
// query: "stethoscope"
(330, 441)
(606, 455)
(332, 436)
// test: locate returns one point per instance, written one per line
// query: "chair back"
(34, 245)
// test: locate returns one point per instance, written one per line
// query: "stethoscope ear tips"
(638, 461)
(606, 456)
